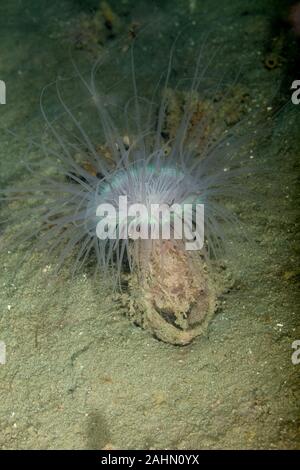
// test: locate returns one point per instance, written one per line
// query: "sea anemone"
(173, 292)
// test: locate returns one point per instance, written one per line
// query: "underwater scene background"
(77, 373)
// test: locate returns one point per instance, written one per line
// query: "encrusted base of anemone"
(172, 293)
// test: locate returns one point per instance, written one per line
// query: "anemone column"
(171, 291)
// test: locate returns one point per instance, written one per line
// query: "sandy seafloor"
(78, 374)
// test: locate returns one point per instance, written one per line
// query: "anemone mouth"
(148, 183)
(143, 201)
